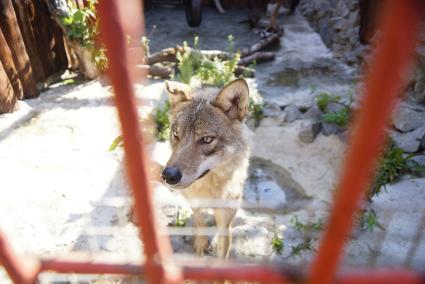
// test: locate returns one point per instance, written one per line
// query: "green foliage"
(277, 244)
(181, 219)
(340, 117)
(162, 122)
(118, 142)
(324, 99)
(369, 221)
(314, 226)
(392, 165)
(256, 109)
(215, 72)
(82, 26)
(301, 247)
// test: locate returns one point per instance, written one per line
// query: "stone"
(422, 144)
(407, 119)
(420, 160)
(408, 142)
(309, 131)
(271, 109)
(292, 113)
(331, 128)
(314, 113)
(334, 107)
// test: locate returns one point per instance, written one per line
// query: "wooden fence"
(32, 48)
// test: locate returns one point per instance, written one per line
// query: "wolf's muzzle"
(171, 175)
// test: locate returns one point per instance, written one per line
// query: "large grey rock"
(271, 109)
(309, 131)
(407, 119)
(314, 113)
(410, 141)
(292, 113)
(331, 128)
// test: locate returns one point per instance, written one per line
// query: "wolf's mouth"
(203, 174)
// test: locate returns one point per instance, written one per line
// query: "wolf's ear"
(177, 92)
(233, 99)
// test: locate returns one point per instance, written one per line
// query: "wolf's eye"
(207, 139)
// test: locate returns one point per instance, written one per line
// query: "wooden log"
(257, 57)
(165, 55)
(11, 31)
(7, 94)
(21, 9)
(244, 71)
(274, 38)
(40, 22)
(154, 71)
(9, 67)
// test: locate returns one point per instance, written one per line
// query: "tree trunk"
(10, 27)
(9, 67)
(21, 8)
(7, 94)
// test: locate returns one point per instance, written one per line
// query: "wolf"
(210, 152)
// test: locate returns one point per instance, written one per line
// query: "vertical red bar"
(400, 26)
(157, 249)
(21, 270)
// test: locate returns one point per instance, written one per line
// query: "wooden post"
(21, 10)
(9, 67)
(7, 94)
(11, 31)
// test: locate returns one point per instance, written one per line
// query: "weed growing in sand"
(181, 219)
(277, 244)
(310, 227)
(324, 99)
(305, 245)
(392, 165)
(340, 117)
(162, 122)
(368, 221)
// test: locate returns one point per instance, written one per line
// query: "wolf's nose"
(171, 175)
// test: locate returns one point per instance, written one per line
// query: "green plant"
(118, 142)
(368, 221)
(256, 110)
(314, 226)
(392, 165)
(277, 244)
(162, 122)
(324, 99)
(340, 117)
(82, 27)
(301, 247)
(181, 219)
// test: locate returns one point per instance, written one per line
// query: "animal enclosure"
(382, 85)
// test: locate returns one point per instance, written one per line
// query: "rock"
(331, 128)
(408, 142)
(292, 113)
(271, 109)
(407, 119)
(420, 159)
(422, 144)
(309, 131)
(314, 113)
(335, 107)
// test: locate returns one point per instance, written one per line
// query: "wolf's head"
(206, 130)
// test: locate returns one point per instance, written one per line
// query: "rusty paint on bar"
(22, 270)
(156, 248)
(393, 56)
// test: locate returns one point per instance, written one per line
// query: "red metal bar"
(400, 26)
(156, 248)
(210, 271)
(21, 270)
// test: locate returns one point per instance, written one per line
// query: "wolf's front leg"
(224, 218)
(200, 243)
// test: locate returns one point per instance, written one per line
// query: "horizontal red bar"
(273, 273)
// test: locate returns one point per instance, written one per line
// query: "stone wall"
(338, 23)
